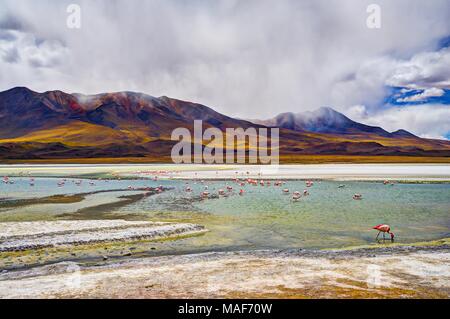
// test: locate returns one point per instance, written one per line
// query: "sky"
(244, 58)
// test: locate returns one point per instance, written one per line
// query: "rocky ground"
(381, 272)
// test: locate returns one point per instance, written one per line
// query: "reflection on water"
(263, 217)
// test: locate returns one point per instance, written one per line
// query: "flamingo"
(357, 196)
(241, 192)
(285, 190)
(383, 228)
(205, 194)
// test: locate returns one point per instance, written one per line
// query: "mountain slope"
(56, 124)
(327, 120)
(23, 111)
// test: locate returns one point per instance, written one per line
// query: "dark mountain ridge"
(55, 124)
(327, 120)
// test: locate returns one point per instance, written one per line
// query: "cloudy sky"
(245, 58)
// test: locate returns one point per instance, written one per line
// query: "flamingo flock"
(241, 183)
(252, 182)
(296, 195)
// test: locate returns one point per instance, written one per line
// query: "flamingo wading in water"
(383, 228)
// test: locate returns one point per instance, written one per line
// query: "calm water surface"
(263, 217)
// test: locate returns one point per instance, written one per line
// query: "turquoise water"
(264, 217)
(21, 187)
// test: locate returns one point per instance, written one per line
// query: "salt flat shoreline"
(401, 172)
(404, 271)
(20, 236)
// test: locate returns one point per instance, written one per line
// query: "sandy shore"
(395, 272)
(407, 172)
(18, 236)
(404, 172)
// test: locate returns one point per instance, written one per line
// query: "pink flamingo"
(383, 228)
(205, 194)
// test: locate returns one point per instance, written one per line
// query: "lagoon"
(263, 218)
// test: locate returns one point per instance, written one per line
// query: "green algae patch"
(53, 199)
(432, 243)
(335, 291)
(85, 253)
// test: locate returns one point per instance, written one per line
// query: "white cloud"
(427, 120)
(252, 58)
(426, 70)
(356, 112)
(369, 85)
(433, 92)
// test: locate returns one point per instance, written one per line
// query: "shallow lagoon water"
(263, 217)
(49, 186)
(328, 217)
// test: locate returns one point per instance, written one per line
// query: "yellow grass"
(284, 159)
(81, 134)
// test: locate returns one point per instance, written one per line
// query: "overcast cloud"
(247, 58)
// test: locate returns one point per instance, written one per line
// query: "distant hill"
(58, 125)
(327, 120)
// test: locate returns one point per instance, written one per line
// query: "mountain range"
(55, 125)
(326, 120)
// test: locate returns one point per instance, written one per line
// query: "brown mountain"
(57, 125)
(327, 120)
